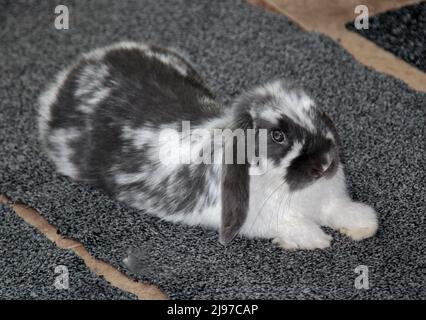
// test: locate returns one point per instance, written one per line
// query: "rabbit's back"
(99, 119)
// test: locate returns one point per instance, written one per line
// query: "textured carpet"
(402, 32)
(381, 121)
(28, 262)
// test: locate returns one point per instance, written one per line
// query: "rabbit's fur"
(104, 121)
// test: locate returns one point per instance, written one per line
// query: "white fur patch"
(292, 154)
(91, 89)
(294, 104)
(277, 212)
(147, 139)
(271, 115)
(46, 100)
(269, 197)
(61, 152)
(140, 136)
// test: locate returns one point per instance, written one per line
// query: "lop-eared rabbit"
(104, 120)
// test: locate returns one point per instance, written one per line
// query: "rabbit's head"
(300, 141)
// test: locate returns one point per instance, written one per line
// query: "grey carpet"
(381, 121)
(401, 31)
(28, 262)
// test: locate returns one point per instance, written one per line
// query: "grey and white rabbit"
(102, 122)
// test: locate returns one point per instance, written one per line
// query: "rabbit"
(106, 119)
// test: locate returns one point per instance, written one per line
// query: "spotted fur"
(101, 122)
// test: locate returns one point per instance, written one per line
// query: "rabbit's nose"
(321, 168)
(317, 171)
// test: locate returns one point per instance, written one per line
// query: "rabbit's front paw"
(305, 237)
(355, 220)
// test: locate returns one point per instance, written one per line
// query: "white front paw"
(308, 238)
(356, 220)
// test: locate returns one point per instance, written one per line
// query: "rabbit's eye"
(278, 136)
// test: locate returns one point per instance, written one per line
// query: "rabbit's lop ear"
(235, 181)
